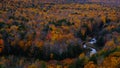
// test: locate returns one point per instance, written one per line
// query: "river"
(93, 50)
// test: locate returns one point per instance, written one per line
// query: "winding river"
(93, 50)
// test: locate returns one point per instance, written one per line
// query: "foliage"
(32, 32)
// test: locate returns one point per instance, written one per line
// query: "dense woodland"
(49, 35)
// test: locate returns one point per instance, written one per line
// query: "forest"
(50, 35)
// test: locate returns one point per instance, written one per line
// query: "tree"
(90, 65)
(83, 31)
(109, 45)
(1, 45)
(103, 18)
(21, 43)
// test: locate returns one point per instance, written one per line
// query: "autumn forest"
(59, 35)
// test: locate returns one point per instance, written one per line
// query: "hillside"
(71, 1)
(35, 34)
(81, 1)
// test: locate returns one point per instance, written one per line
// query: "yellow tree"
(90, 65)
(51, 55)
(103, 18)
(83, 31)
(21, 43)
(111, 62)
(90, 25)
(39, 44)
(109, 45)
